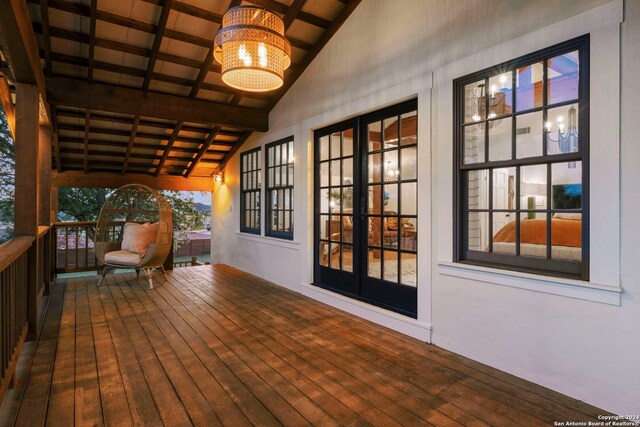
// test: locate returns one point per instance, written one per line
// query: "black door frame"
(357, 285)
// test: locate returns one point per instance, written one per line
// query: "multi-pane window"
(522, 163)
(280, 161)
(250, 187)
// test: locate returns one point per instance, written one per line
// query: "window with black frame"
(250, 188)
(280, 161)
(522, 134)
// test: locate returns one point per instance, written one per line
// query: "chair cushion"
(137, 237)
(124, 258)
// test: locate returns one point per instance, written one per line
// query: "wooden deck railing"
(14, 305)
(73, 247)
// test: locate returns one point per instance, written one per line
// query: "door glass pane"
(324, 200)
(335, 145)
(324, 254)
(390, 198)
(408, 269)
(409, 201)
(409, 128)
(335, 172)
(408, 234)
(375, 231)
(391, 171)
(335, 199)
(324, 227)
(390, 126)
(334, 257)
(529, 87)
(562, 77)
(408, 162)
(374, 261)
(390, 273)
(375, 136)
(562, 130)
(347, 229)
(529, 135)
(390, 232)
(375, 199)
(335, 228)
(375, 167)
(324, 148)
(347, 142)
(347, 258)
(347, 171)
(474, 143)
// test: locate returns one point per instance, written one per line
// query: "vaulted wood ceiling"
(133, 87)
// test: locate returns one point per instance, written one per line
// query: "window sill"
(577, 289)
(266, 240)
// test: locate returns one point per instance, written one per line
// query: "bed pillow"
(568, 215)
(138, 237)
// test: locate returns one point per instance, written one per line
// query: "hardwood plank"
(165, 399)
(62, 396)
(33, 407)
(141, 404)
(114, 403)
(188, 400)
(88, 410)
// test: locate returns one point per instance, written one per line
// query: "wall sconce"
(218, 177)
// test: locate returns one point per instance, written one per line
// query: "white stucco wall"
(580, 340)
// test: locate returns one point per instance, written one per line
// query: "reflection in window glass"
(529, 87)
(529, 135)
(562, 76)
(561, 129)
(474, 143)
(500, 139)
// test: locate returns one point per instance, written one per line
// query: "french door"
(366, 224)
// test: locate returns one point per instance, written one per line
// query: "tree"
(7, 179)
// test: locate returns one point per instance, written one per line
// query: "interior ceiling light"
(252, 49)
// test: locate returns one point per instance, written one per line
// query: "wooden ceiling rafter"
(92, 38)
(132, 137)
(157, 41)
(203, 150)
(87, 122)
(167, 149)
(46, 37)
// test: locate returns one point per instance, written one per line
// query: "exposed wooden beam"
(92, 37)
(132, 137)
(276, 6)
(20, 48)
(46, 36)
(114, 180)
(118, 99)
(167, 148)
(203, 150)
(7, 105)
(292, 13)
(157, 41)
(121, 132)
(87, 122)
(235, 148)
(204, 70)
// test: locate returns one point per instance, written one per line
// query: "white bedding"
(533, 250)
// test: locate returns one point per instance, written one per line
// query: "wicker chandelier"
(252, 49)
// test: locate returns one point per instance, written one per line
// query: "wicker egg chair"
(128, 210)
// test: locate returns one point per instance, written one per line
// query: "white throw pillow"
(568, 215)
(138, 237)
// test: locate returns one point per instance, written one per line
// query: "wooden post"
(27, 188)
(44, 212)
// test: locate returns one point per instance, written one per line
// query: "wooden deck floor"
(216, 346)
